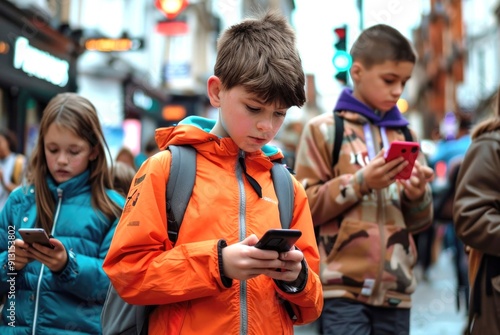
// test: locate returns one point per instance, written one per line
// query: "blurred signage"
(114, 44)
(142, 101)
(41, 64)
(177, 70)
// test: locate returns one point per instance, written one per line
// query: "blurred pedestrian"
(68, 194)
(214, 280)
(12, 165)
(365, 216)
(126, 156)
(477, 223)
(149, 150)
(123, 174)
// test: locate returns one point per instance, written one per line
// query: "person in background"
(214, 280)
(150, 149)
(126, 156)
(476, 216)
(365, 217)
(123, 174)
(12, 165)
(68, 194)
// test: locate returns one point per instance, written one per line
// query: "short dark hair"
(381, 43)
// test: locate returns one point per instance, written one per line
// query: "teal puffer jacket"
(70, 302)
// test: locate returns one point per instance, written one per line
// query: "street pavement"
(434, 310)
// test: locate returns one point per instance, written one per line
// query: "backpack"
(119, 317)
(339, 137)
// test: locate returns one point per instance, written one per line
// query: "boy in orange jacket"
(214, 281)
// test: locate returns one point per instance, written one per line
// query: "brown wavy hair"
(77, 114)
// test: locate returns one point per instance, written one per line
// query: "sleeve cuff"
(298, 284)
(70, 271)
(227, 282)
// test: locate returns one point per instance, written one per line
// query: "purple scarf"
(391, 118)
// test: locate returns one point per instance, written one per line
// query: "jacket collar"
(195, 131)
(76, 185)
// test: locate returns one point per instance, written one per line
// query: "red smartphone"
(409, 150)
(35, 235)
(279, 239)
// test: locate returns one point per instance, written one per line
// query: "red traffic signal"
(171, 8)
(340, 32)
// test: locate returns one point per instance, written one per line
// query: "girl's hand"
(21, 254)
(55, 259)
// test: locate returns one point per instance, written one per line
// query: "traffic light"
(341, 58)
(171, 8)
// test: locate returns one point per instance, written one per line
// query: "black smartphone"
(279, 239)
(35, 235)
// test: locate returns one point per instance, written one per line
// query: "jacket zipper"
(39, 283)
(242, 231)
(381, 224)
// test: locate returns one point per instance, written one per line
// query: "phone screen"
(279, 239)
(35, 235)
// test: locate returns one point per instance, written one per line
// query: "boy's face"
(380, 86)
(248, 121)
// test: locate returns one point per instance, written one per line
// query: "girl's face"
(67, 154)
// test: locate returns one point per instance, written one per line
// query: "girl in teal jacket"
(60, 290)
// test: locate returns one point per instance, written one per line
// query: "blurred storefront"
(36, 63)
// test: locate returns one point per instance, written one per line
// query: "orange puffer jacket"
(185, 280)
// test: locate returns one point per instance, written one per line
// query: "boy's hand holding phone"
(243, 261)
(414, 187)
(379, 174)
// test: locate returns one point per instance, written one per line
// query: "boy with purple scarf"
(364, 216)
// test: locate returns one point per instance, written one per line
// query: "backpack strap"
(283, 186)
(338, 137)
(179, 188)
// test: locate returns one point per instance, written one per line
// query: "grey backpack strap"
(180, 186)
(283, 186)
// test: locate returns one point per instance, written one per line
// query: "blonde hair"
(78, 115)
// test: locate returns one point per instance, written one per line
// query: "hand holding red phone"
(414, 187)
(379, 174)
(409, 151)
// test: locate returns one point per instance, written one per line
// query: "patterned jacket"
(366, 247)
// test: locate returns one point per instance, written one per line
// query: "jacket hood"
(391, 118)
(195, 131)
